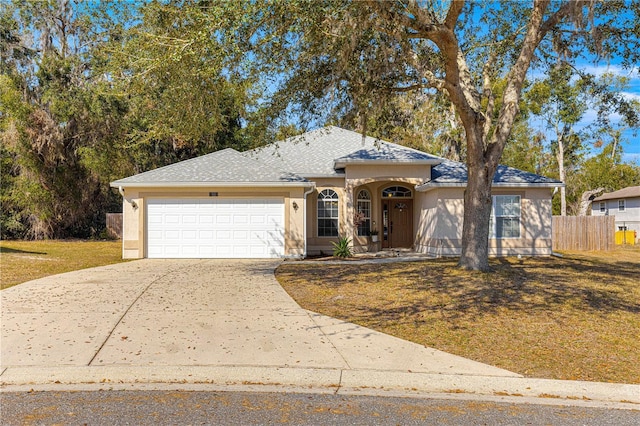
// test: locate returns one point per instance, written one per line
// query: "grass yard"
(575, 318)
(22, 261)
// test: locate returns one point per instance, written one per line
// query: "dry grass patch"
(575, 318)
(23, 261)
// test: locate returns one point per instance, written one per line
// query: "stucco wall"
(132, 207)
(134, 215)
(409, 173)
(440, 226)
(358, 177)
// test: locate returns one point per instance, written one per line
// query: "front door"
(397, 219)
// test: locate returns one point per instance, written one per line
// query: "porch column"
(350, 211)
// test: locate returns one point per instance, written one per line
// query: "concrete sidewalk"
(225, 323)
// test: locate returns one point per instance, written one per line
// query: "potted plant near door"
(374, 235)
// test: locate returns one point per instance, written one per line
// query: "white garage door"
(215, 228)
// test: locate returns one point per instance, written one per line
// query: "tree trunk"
(585, 200)
(563, 176)
(477, 202)
(477, 210)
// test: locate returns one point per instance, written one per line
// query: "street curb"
(312, 380)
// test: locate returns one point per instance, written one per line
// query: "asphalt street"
(247, 408)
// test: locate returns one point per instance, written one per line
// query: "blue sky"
(630, 141)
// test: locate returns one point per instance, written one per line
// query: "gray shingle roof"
(386, 153)
(628, 192)
(320, 152)
(222, 167)
(454, 172)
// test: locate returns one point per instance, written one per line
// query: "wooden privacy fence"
(114, 225)
(584, 232)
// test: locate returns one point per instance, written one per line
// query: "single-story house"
(624, 204)
(294, 197)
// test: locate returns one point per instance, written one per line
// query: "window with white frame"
(363, 212)
(505, 216)
(603, 207)
(328, 213)
(620, 205)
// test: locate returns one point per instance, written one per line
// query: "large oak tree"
(337, 56)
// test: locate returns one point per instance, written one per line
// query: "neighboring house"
(624, 204)
(296, 196)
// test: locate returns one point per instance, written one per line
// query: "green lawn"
(22, 261)
(575, 318)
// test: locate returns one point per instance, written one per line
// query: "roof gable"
(386, 153)
(322, 151)
(221, 167)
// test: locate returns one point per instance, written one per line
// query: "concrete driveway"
(196, 313)
(222, 322)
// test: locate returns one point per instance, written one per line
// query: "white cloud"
(599, 70)
(631, 96)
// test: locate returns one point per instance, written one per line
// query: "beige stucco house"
(294, 197)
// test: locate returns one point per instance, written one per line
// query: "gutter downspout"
(121, 191)
(304, 219)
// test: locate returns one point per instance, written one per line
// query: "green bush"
(342, 247)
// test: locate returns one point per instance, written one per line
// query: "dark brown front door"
(397, 218)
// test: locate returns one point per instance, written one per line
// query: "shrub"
(342, 247)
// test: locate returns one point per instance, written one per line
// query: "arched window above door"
(397, 192)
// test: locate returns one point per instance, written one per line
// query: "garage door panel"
(207, 251)
(155, 234)
(190, 234)
(224, 218)
(206, 218)
(258, 219)
(189, 219)
(205, 235)
(240, 219)
(171, 250)
(241, 235)
(223, 228)
(171, 235)
(171, 219)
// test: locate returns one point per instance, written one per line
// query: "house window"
(328, 213)
(603, 207)
(622, 228)
(363, 212)
(620, 205)
(396, 192)
(505, 216)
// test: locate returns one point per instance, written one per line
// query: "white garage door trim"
(215, 228)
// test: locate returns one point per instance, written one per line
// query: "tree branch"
(515, 78)
(454, 13)
(487, 92)
(564, 11)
